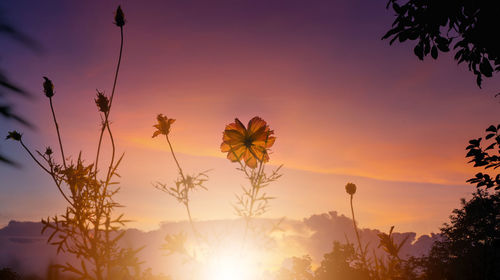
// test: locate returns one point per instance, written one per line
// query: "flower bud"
(14, 135)
(350, 188)
(48, 151)
(48, 87)
(119, 17)
(102, 102)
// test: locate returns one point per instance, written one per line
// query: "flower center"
(248, 141)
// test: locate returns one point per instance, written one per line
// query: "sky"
(345, 107)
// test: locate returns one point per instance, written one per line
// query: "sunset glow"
(225, 132)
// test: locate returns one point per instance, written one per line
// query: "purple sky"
(344, 105)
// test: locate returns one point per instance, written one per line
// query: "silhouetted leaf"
(492, 128)
(434, 52)
(419, 51)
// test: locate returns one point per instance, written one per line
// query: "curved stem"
(51, 173)
(357, 234)
(175, 159)
(58, 133)
(106, 115)
(195, 231)
(113, 149)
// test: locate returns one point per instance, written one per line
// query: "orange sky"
(345, 107)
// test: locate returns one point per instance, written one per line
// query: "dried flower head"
(119, 17)
(350, 188)
(102, 102)
(48, 87)
(48, 151)
(163, 126)
(14, 135)
(249, 143)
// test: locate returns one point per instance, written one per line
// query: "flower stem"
(175, 159)
(51, 173)
(58, 133)
(106, 115)
(357, 235)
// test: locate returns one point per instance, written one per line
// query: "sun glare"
(231, 267)
(228, 269)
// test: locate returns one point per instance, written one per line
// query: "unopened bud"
(119, 17)
(102, 102)
(350, 188)
(48, 87)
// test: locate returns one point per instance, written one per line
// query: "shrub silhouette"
(471, 242)
(8, 274)
(347, 261)
(89, 229)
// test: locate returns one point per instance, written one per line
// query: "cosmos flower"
(14, 135)
(163, 125)
(249, 143)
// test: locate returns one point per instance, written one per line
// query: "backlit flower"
(249, 143)
(163, 126)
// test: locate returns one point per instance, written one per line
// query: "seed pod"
(102, 102)
(350, 188)
(119, 17)
(48, 87)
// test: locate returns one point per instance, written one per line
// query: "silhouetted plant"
(347, 262)
(301, 270)
(8, 274)
(341, 263)
(350, 188)
(377, 268)
(487, 158)
(435, 25)
(470, 245)
(89, 229)
(393, 267)
(250, 148)
(184, 184)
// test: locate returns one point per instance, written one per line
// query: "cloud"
(314, 235)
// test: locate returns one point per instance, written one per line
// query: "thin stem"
(195, 231)
(186, 202)
(33, 157)
(357, 234)
(106, 114)
(175, 159)
(113, 149)
(255, 190)
(58, 133)
(46, 170)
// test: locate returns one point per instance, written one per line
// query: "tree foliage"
(487, 156)
(470, 248)
(469, 27)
